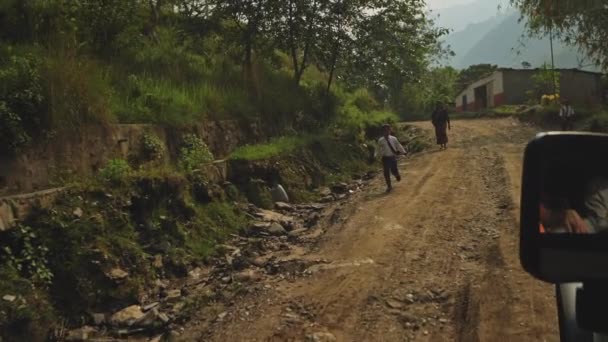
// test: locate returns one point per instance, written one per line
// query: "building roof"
(557, 69)
(482, 80)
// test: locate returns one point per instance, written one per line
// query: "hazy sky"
(435, 4)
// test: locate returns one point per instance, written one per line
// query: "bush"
(23, 253)
(274, 148)
(597, 123)
(193, 153)
(30, 316)
(116, 171)
(78, 92)
(151, 148)
(22, 102)
(364, 101)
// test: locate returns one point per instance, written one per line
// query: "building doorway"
(481, 97)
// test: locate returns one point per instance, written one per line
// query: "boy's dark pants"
(390, 166)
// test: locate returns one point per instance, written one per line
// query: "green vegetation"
(593, 119)
(546, 82)
(327, 73)
(65, 64)
(274, 148)
(151, 148)
(67, 252)
(193, 153)
(116, 171)
(577, 23)
(418, 99)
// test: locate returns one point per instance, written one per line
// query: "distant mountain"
(489, 32)
(458, 17)
(504, 45)
(462, 42)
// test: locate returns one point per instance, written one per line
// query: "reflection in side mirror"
(564, 209)
(579, 209)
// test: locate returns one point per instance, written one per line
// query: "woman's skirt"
(441, 133)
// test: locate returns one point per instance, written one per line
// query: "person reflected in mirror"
(566, 115)
(556, 217)
(441, 122)
(389, 148)
(596, 205)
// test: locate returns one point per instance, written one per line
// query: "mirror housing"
(558, 167)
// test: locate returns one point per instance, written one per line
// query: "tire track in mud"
(471, 309)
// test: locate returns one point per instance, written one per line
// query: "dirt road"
(436, 260)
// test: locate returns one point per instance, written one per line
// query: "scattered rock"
(325, 191)
(177, 308)
(410, 298)
(117, 274)
(158, 338)
(151, 318)
(327, 199)
(276, 229)
(78, 213)
(312, 220)
(98, 318)
(129, 331)
(158, 261)
(247, 276)
(150, 306)
(173, 335)
(321, 337)
(9, 298)
(336, 216)
(198, 273)
(161, 284)
(259, 262)
(173, 295)
(291, 317)
(81, 334)
(297, 232)
(284, 206)
(391, 303)
(127, 316)
(272, 216)
(258, 227)
(408, 317)
(340, 188)
(223, 248)
(221, 316)
(369, 176)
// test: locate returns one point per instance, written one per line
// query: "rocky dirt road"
(436, 260)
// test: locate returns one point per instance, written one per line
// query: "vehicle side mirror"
(564, 207)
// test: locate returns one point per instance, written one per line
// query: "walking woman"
(441, 121)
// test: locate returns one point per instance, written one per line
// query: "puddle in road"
(334, 265)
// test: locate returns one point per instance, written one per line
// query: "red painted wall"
(499, 99)
(471, 106)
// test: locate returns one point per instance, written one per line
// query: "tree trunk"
(332, 70)
(248, 60)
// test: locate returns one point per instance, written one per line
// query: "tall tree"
(252, 18)
(580, 23)
(298, 30)
(395, 42)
